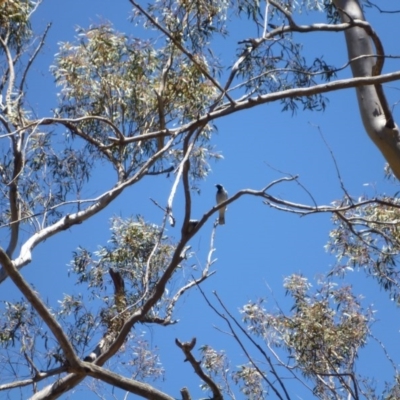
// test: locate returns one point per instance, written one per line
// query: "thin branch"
(30, 62)
(266, 18)
(195, 282)
(160, 99)
(11, 76)
(184, 166)
(340, 375)
(182, 290)
(186, 191)
(339, 176)
(371, 4)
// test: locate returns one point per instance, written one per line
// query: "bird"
(222, 195)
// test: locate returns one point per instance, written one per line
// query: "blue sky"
(258, 246)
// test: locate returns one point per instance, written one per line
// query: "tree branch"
(132, 386)
(40, 375)
(228, 109)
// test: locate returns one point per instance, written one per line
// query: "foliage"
(322, 335)
(133, 109)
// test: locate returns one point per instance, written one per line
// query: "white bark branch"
(371, 100)
(69, 220)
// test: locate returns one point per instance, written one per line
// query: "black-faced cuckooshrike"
(222, 195)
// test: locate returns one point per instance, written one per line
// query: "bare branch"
(30, 62)
(139, 388)
(182, 170)
(339, 176)
(371, 4)
(194, 282)
(40, 375)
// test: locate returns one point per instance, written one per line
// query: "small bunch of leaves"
(307, 5)
(137, 251)
(322, 334)
(16, 319)
(22, 329)
(216, 365)
(111, 75)
(368, 237)
(78, 322)
(142, 364)
(192, 23)
(199, 157)
(332, 13)
(106, 74)
(250, 382)
(145, 361)
(392, 391)
(70, 169)
(15, 27)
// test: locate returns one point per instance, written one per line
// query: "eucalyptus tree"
(145, 108)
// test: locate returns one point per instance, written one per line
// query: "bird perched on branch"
(222, 195)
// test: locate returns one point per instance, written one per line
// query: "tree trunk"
(375, 112)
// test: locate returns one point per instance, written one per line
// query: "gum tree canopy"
(144, 106)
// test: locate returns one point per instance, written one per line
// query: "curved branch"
(132, 386)
(228, 109)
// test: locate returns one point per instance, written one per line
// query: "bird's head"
(218, 186)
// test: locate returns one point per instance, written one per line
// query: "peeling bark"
(374, 109)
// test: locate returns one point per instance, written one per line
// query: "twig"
(339, 176)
